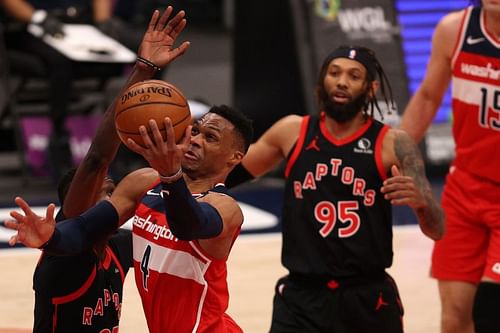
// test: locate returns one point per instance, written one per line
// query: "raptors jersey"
(82, 293)
(335, 220)
(476, 98)
(182, 288)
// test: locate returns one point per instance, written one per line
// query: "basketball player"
(337, 221)
(184, 224)
(82, 292)
(466, 262)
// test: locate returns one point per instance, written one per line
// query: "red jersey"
(476, 97)
(182, 288)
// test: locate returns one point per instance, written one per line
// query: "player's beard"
(343, 113)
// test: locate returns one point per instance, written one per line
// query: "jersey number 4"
(326, 213)
(145, 266)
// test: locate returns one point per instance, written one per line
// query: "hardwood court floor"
(254, 267)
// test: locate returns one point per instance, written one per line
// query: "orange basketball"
(151, 99)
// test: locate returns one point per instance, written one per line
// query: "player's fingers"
(186, 138)
(395, 171)
(400, 202)
(132, 145)
(155, 132)
(398, 180)
(169, 133)
(23, 205)
(391, 187)
(172, 24)
(13, 240)
(175, 53)
(11, 224)
(17, 216)
(153, 21)
(177, 29)
(164, 18)
(399, 195)
(145, 137)
(49, 215)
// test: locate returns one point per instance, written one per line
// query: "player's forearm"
(103, 10)
(418, 115)
(431, 217)
(187, 218)
(75, 235)
(19, 9)
(106, 142)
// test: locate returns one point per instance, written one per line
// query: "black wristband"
(149, 63)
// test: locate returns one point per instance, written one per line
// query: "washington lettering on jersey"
(100, 306)
(335, 169)
(150, 226)
(487, 71)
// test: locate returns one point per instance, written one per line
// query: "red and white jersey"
(476, 97)
(182, 288)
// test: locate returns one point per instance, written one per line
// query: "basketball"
(151, 99)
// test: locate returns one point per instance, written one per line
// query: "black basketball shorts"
(337, 307)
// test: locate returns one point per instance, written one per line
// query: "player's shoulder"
(287, 128)
(397, 133)
(449, 25)
(291, 120)
(398, 138)
(143, 175)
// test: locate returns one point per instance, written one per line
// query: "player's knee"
(485, 310)
(456, 319)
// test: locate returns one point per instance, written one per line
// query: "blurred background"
(260, 56)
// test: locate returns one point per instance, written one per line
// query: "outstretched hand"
(164, 156)
(32, 230)
(401, 190)
(157, 43)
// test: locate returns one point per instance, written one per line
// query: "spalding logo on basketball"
(151, 99)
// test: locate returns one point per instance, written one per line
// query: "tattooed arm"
(409, 185)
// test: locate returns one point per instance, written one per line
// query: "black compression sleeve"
(189, 219)
(75, 235)
(237, 176)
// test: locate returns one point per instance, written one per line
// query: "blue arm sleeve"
(75, 235)
(189, 219)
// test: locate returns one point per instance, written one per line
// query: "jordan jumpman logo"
(380, 302)
(313, 144)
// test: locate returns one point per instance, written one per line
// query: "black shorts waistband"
(330, 282)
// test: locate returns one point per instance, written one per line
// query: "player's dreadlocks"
(367, 58)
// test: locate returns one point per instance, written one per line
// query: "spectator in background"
(61, 71)
(466, 52)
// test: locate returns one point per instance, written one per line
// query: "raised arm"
(157, 47)
(21, 10)
(423, 106)
(409, 185)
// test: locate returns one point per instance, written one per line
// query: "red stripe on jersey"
(461, 33)
(107, 258)
(378, 152)
(350, 138)
(78, 293)
(298, 146)
(117, 262)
